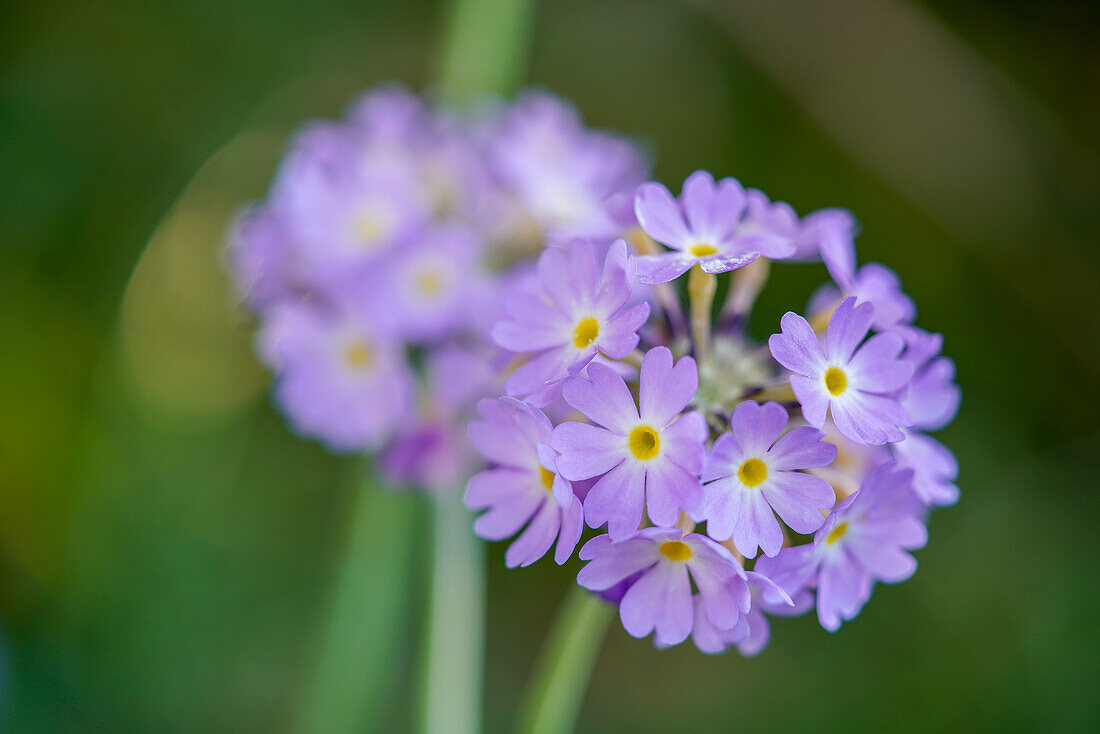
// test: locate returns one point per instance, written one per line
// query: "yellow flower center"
(703, 249)
(370, 227)
(358, 355)
(547, 478)
(644, 442)
(836, 533)
(586, 332)
(429, 283)
(836, 381)
(752, 472)
(676, 550)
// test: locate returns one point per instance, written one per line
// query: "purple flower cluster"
(376, 265)
(490, 297)
(687, 458)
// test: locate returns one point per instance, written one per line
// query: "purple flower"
(649, 460)
(661, 598)
(825, 230)
(390, 112)
(751, 633)
(557, 171)
(769, 597)
(703, 228)
(875, 284)
(459, 376)
(340, 380)
(342, 214)
(933, 397)
(806, 234)
(751, 475)
(430, 454)
(865, 539)
(858, 386)
(934, 467)
(524, 487)
(258, 257)
(571, 315)
(427, 288)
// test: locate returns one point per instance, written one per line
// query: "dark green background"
(166, 545)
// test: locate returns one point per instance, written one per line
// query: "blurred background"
(167, 547)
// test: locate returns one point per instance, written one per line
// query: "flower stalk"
(701, 289)
(559, 682)
(484, 53)
(370, 601)
(453, 655)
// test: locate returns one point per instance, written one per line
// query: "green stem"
(485, 48)
(370, 602)
(557, 687)
(453, 652)
(484, 52)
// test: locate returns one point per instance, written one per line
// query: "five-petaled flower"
(858, 384)
(864, 540)
(705, 227)
(751, 474)
(650, 458)
(523, 487)
(661, 599)
(569, 315)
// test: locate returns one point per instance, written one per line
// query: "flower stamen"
(703, 249)
(644, 443)
(836, 381)
(836, 533)
(547, 478)
(358, 356)
(586, 332)
(753, 472)
(676, 550)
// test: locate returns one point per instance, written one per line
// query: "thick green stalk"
(559, 682)
(453, 653)
(485, 51)
(354, 674)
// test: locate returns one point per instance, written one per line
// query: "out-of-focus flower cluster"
(694, 452)
(375, 265)
(416, 273)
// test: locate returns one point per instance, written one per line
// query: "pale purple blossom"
(806, 234)
(343, 217)
(428, 286)
(571, 313)
(660, 599)
(432, 455)
(932, 398)
(865, 539)
(339, 378)
(752, 474)
(857, 384)
(648, 460)
(875, 284)
(854, 461)
(523, 487)
(752, 631)
(258, 256)
(558, 172)
(934, 468)
(704, 228)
